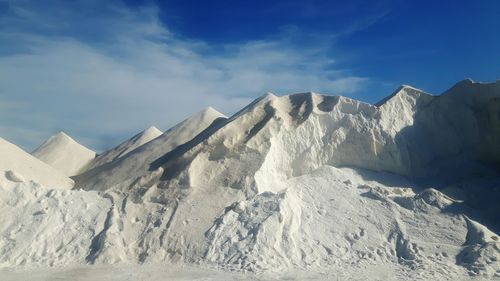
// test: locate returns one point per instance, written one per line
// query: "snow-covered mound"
(20, 166)
(125, 147)
(135, 164)
(65, 154)
(326, 221)
(449, 137)
(304, 181)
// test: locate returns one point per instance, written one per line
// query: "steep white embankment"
(455, 135)
(42, 226)
(26, 167)
(64, 154)
(125, 147)
(127, 169)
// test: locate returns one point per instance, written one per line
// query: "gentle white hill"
(125, 147)
(65, 154)
(21, 166)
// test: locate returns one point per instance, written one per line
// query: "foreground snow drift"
(42, 226)
(323, 222)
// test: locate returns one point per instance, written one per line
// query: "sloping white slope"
(125, 147)
(65, 154)
(138, 162)
(26, 167)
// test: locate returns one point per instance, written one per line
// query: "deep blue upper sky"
(104, 70)
(428, 44)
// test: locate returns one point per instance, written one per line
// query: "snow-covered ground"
(304, 186)
(163, 272)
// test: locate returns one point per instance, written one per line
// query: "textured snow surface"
(335, 219)
(64, 154)
(21, 165)
(47, 226)
(300, 183)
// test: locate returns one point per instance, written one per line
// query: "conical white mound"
(23, 166)
(138, 162)
(125, 147)
(64, 154)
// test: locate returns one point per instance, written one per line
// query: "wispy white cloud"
(103, 77)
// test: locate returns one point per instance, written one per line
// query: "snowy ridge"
(137, 163)
(64, 154)
(276, 138)
(125, 147)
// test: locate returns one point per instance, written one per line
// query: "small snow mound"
(152, 130)
(427, 200)
(478, 234)
(434, 198)
(13, 176)
(65, 154)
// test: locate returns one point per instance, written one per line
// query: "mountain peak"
(60, 136)
(152, 130)
(207, 112)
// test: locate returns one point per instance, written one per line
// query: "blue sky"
(104, 70)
